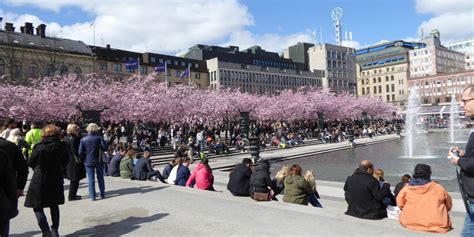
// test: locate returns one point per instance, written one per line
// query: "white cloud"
(353, 44)
(453, 19)
(159, 26)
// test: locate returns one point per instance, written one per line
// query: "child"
(313, 198)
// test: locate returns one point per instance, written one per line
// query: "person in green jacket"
(126, 165)
(297, 189)
(32, 137)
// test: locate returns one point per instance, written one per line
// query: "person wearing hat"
(424, 204)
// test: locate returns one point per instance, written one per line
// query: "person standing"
(75, 170)
(10, 124)
(8, 193)
(91, 149)
(32, 137)
(465, 161)
(48, 160)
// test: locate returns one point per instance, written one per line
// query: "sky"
(172, 26)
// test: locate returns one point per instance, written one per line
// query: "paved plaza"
(145, 208)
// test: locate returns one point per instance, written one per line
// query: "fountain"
(453, 120)
(411, 128)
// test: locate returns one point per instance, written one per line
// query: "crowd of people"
(53, 154)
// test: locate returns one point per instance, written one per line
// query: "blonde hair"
(50, 130)
(378, 173)
(280, 175)
(309, 176)
(92, 128)
(71, 128)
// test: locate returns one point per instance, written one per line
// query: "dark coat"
(260, 179)
(74, 171)
(89, 149)
(364, 196)
(239, 180)
(17, 161)
(48, 160)
(182, 175)
(114, 165)
(8, 198)
(167, 170)
(141, 169)
(467, 169)
(398, 188)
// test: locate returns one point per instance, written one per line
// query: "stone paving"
(145, 208)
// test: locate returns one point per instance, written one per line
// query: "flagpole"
(139, 71)
(94, 31)
(166, 74)
(189, 74)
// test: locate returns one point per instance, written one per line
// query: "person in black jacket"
(260, 181)
(364, 195)
(406, 178)
(8, 193)
(144, 171)
(48, 160)
(75, 170)
(465, 160)
(18, 163)
(239, 178)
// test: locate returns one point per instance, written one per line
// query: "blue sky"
(172, 26)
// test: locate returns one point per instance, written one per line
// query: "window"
(183, 64)
(117, 67)
(380, 79)
(2, 67)
(176, 63)
(375, 90)
(50, 70)
(168, 62)
(387, 88)
(393, 97)
(78, 70)
(196, 65)
(103, 66)
(144, 69)
(178, 73)
(363, 91)
(16, 70)
(393, 87)
(386, 77)
(160, 60)
(375, 80)
(388, 97)
(197, 75)
(380, 89)
(153, 59)
(392, 78)
(33, 70)
(63, 70)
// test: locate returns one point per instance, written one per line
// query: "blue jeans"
(91, 178)
(468, 229)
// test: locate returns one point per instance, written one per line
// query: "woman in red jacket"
(202, 176)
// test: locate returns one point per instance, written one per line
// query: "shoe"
(47, 234)
(77, 197)
(54, 232)
(102, 196)
(162, 180)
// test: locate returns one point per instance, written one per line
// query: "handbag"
(102, 156)
(258, 196)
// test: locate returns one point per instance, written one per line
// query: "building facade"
(338, 64)
(299, 53)
(466, 47)
(26, 55)
(175, 66)
(437, 89)
(383, 71)
(435, 58)
(258, 79)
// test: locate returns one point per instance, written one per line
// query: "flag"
(131, 64)
(160, 68)
(185, 73)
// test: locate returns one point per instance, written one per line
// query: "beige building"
(437, 89)
(466, 47)
(383, 71)
(434, 58)
(25, 54)
(338, 64)
(257, 79)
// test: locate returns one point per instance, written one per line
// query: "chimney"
(41, 30)
(22, 29)
(9, 27)
(108, 46)
(29, 28)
